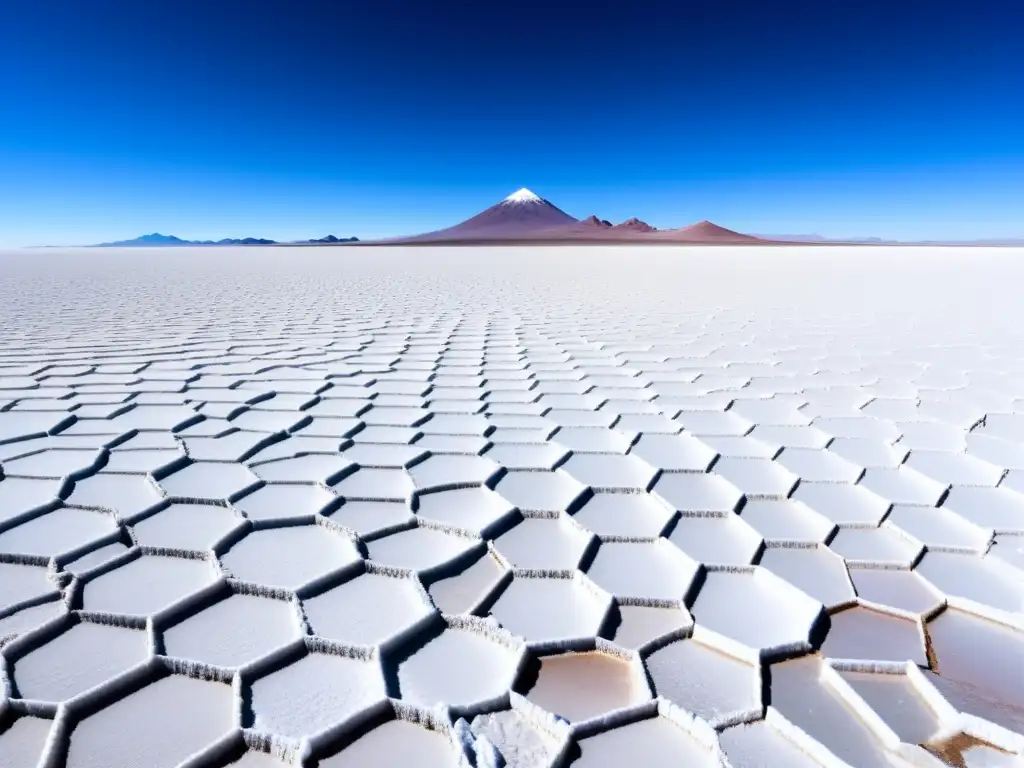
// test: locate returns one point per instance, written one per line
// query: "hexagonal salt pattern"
(753, 516)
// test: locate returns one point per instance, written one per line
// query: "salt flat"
(749, 506)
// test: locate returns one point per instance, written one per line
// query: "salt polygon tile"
(288, 557)
(1006, 454)
(819, 465)
(515, 435)
(233, 631)
(367, 609)
(155, 716)
(295, 445)
(656, 742)
(676, 453)
(546, 543)
(771, 411)
(701, 423)
(716, 540)
(895, 588)
(469, 509)
(655, 570)
(141, 460)
(209, 480)
(757, 744)
(860, 427)
(374, 484)
(126, 495)
(311, 468)
(610, 472)
(1007, 426)
(275, 501)
(146, 585)
(869, 452)
(611, 683)
(954, 468)
(843, 504)
(461, 667)
(385, 455)
(896, 700)
(693, 493)
(54, 462)
(595, 440)
(1014, 481)
(816, 571)
(786, 520)
(939, 528)
(759, 478)
(322, 426)
(903, 486)
(185, 526)
(864, 634)
(883, 546)
(419, 549)
(55, 532)
(704, 681)
(623, 514)
(791, 437)
(981, 580)
(741, 447)
(550, 609)
(538, 456)
(315, 693)
(648, 423)
(367, 518)
(1008, 549)
(19, 583)
(540, 491)
(452, 470)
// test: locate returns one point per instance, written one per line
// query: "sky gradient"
(372, 118)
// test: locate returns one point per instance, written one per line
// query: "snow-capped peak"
(522, 196)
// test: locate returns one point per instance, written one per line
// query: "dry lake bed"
(588, 506)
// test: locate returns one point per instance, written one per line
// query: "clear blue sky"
(215, 118)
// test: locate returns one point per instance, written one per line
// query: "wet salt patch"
(582, 686)
(547, 543)
(289, 556)
(76, 660)
(899, 589)
(895, 699)
(541, 609)
(459, 667)
(759, 745)
(233, 632)
(656, 570)
(314, 693)
(61, 530)
(22, 582)
(869, 635)
(976, 654)
(521, 744)
(185, 526)
(367, 609)
(22, 743)
(704, 681)
(419, 549)
(623, 514)
(19, 495)
(158, 726)
(718, 540)
(799, 694)
(656, 743)
(461, 592)
(146, 585)
(396, 743)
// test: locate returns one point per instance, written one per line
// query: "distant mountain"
(635, 225)
(815, 238)
(520, 214)
(706, 232)
(156, 239)
(593, 221)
